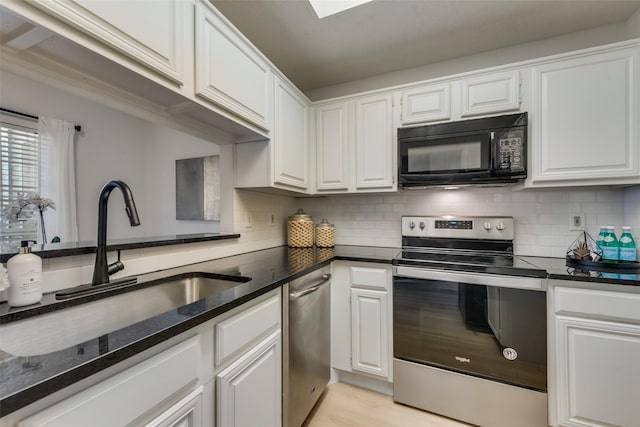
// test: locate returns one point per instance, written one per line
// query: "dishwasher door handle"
(310, 289)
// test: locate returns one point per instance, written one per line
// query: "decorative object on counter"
(583, 255)
(25, 274)
(325, 234)
(198, 189)
(300, 259)
(300, 230)
(323, 254)
(25, 206)
(584, 248)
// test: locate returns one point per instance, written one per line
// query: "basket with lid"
(300, 230)
(325, 234)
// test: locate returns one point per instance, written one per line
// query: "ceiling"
(391, 35)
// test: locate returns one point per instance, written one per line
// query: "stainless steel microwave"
(490, 150)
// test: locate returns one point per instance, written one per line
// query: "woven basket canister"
(325, 234)
(300, 230)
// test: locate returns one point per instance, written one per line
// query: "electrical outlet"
(577, 221)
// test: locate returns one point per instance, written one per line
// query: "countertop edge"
(83, 248)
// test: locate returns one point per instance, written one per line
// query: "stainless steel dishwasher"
(306, 356)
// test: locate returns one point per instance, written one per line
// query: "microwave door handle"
(492, 151)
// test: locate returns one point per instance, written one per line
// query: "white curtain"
(58, 177)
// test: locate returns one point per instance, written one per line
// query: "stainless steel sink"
(65, 328)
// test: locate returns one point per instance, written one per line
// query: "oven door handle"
(503, 281)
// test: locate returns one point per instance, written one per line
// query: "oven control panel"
(479, 227)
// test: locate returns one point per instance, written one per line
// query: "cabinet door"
(249, 391)
(494, 93)
(185, 413)
(597, 373)
(585, 126)
(332, 146)
(370, 331)
(229, 70)
(122, 398)
(426, 104)
(117, 24)
(291, 142)
(375, 165)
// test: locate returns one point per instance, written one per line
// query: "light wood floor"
(345, 405)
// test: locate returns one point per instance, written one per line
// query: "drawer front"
(245, 328)
(611, 305)
(368, 277)
(124, 397)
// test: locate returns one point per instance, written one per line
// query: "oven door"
(484, 325)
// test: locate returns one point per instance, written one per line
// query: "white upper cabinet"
(355, 145)
(229, 70)
(585, 126)
(291, 136)
(282, 162)
(493, 93)
(332, 146)
(426, 104)
(375, 164)
(149, 33)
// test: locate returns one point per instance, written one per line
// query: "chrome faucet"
(101, 270)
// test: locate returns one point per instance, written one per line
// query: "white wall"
(537, 49)
(541, 216)
(115, 145)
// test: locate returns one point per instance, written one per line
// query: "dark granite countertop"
(557, 268)
(24, 380)
(54, 250)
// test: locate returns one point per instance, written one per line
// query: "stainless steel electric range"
(469, 323)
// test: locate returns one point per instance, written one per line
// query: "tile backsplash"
(542, 217)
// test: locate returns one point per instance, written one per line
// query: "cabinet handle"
(310, 289)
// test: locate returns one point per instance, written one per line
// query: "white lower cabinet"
(136, 391)
(249, 391)
(595, 338)
(370, 331)
(361, 308)
(224, 372)
(186, 413)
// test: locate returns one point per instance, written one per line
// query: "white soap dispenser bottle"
(25, 273)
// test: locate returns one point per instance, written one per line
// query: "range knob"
(421, 225)
(412, 225)
(499, 226)
(487, 226)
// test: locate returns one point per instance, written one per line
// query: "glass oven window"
(472, 329)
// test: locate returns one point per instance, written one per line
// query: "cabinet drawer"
(367, 277)
(245, 328)
(122, 398)
(601, 304)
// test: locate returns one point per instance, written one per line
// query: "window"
(20, 174)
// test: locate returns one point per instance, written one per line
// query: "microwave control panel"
(510, 152)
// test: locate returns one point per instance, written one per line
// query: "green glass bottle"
(627, 245)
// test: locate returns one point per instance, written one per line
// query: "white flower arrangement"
(25, 206)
